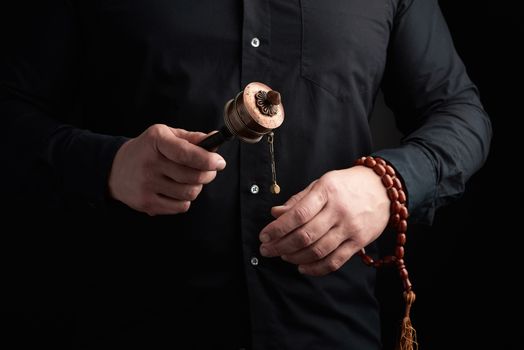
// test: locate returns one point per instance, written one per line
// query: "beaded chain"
(398, 221)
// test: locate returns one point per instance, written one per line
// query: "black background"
(466, 267)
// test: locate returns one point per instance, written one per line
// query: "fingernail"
(264, 238)
(221, 164)
(284, 257)
(301, 269)
(264, 251)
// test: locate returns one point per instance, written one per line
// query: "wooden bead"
(395, 207)
(387, 181)
(402, 226)
(393, 194)
(390, 171)
(402, 196)
(401, 239)
(399, 252)
(370, 162)
(378, 263)
(381, 161)
(394, 220)
(407, 284)
(400, 263)
(404, 274)
(367, 259)
(390, 259)
(403, 212)
(360, 161)
(396, 183)
(379, 170)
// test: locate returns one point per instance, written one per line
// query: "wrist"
(115, 171)
(371, 187)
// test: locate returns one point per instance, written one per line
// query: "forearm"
(40, 73)
(39, 150)
(437, 159)
(437, 107)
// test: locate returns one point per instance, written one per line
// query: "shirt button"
(255, 42)
(254, 261)
(254, 189)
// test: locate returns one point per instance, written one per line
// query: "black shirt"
(81, 76)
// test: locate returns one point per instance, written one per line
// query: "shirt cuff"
(418, 174)
(84, 161)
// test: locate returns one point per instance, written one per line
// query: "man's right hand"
(162, 170)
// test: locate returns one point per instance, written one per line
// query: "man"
(104, 103)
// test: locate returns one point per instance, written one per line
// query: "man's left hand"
(323, 226)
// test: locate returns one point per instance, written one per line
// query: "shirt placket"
(255, 171)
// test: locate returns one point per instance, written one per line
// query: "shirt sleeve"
(39, 84)
(437, 108)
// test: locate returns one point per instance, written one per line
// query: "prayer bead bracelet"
(398, 221)
(398, 217)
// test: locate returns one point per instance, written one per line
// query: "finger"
(278, 210)
(303, 211)
(185, 175)
(161, 205)
(302, 237)
(174, 190)
(332, 262)
(181, 151)
(318, 250)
